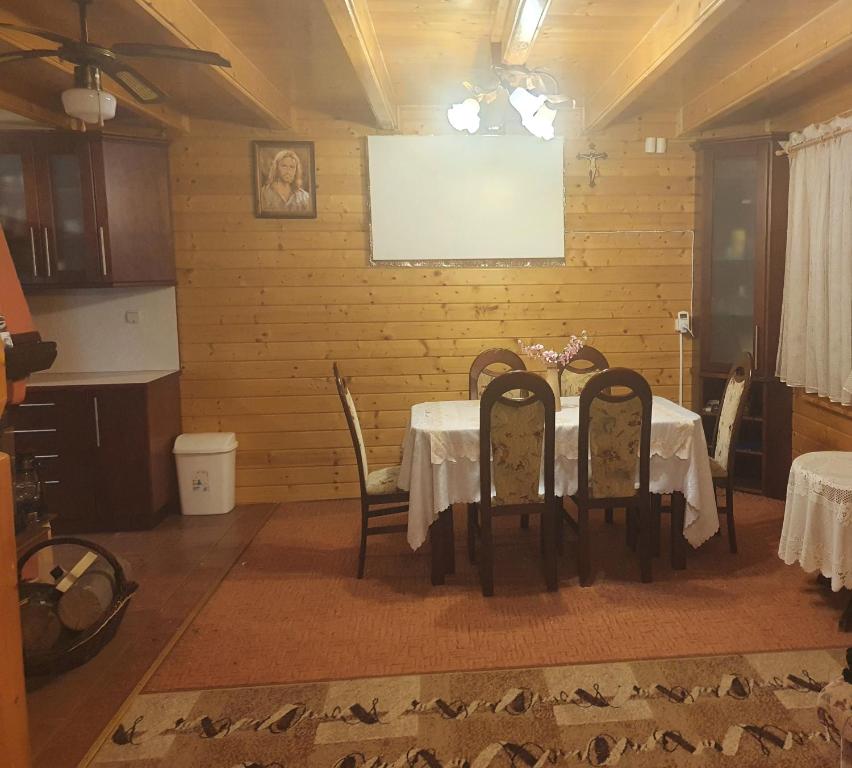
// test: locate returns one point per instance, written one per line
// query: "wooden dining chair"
(483, 369)
(614, 451)
(573, 377)
(486, 366)
(378, 488)
(725, 436)
(516, 438)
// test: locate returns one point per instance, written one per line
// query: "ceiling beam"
(522, 22)
(190, 26)
(354, 25)
(12, 102)
(161, 114)
(812, 44)
(676, 32)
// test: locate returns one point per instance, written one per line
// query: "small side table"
(817, 530)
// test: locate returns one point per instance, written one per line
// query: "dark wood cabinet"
(86, 209)
(104, 452)
(743, 224)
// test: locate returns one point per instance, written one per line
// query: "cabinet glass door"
(19, 211)
(68, 242)
(732, 288)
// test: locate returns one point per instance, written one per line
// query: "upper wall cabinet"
(85, 209)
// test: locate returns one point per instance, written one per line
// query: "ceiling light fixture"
(526, 90)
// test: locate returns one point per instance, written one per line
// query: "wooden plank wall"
(265, 306)
(820, 425)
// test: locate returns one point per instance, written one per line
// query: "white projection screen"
(466, 200)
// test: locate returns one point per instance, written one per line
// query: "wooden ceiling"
(719, 61)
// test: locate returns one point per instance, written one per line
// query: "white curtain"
(815, 351)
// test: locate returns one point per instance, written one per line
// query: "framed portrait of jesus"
(284, 180)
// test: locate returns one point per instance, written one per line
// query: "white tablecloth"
(817, 528)
(440, 462)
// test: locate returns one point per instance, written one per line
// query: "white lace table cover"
(440, 462)
(817, 530)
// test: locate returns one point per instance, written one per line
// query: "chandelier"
(532, 93)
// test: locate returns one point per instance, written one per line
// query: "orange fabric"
(13, 306)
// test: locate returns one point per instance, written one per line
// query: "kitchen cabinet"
(104, 451)
(86, 210)
(744, 225)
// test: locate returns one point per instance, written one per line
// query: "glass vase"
(551, 376)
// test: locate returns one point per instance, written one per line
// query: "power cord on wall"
(683, 322)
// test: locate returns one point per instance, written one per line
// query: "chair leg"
(656, 514)
(584, 565)
(525, 522)
(486, 555)
(732, 532)
(471, 533)
(559, 523)
(362, 549)
(608, 517)
(645, 541)
(678, 541)
(438, 541)
(549, 525)
(450, 542)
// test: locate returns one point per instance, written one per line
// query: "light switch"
(132, 316)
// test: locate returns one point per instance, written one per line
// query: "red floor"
(291, 609)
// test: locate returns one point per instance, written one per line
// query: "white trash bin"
(205, 469)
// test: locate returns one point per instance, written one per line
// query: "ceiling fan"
(87, 101)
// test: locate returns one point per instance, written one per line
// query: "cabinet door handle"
(33, 251)
(35, 405)
(47, 251)
(755, 345)
(97, 424)
(46, 456)
(50, 482)
(103, 251)
(30, 431)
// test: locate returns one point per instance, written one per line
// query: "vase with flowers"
(555, 361)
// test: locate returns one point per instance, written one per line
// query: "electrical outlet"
(682, 322)
(132, 316)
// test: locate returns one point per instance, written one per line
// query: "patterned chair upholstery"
(727, 428)
(483, 370)
(378, 487)
(614, 453)
(574, 376)
(517, 437)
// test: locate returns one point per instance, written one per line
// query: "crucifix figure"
(592, 156)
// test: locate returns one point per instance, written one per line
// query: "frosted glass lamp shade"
(541, 123)
(526, 103)
(88, 104)
(464, 116)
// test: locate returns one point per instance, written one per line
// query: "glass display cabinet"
(742, 240)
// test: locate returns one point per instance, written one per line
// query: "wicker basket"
(74, 648)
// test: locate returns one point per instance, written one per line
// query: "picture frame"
(284, 180)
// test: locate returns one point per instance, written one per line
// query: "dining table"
(440, 467)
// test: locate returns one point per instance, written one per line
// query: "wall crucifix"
(592, 156)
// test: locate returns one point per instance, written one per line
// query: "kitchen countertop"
(48, 379)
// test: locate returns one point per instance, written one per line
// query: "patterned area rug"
(753, 710)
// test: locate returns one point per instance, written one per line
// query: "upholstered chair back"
(574, 376)
(517, 438)
(489, 364)
(731, 411)
(615, 436)
(354, 426)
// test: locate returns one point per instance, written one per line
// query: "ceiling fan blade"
(170, 52)
(134, 83)
(42, 33)
(9, 56)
